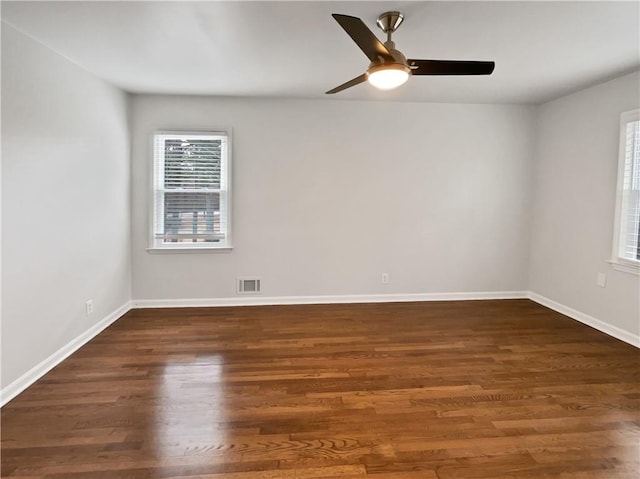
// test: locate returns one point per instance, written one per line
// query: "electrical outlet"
(601, 280)
(385, 278)
(88, 307)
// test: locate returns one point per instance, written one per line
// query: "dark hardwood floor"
(484, 389)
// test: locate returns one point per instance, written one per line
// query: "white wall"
(575, 191)
(328, 195)
(65, 202)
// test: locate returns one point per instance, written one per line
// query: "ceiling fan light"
(388, 77)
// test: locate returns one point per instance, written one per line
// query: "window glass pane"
(191, 217)
(630, 220)
(192, 164)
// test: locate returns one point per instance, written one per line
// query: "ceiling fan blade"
(349, 84)
(450, 67)
(364, 38)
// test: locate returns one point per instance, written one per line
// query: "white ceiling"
(295, 49)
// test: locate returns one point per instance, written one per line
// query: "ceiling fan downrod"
(389, 22)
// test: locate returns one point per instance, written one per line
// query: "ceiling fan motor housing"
(397, 60)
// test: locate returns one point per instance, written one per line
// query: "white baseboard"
(339, 299)
(27, 379)
(595, 323)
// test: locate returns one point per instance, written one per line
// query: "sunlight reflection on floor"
(190, 414)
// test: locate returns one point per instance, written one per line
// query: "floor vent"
(248, 286)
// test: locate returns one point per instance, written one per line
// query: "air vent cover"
(248, 286)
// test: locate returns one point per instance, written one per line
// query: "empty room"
(315, 239)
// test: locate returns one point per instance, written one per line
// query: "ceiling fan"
(389, 68)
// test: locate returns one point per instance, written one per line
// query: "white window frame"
(617, 261)
(156, 216)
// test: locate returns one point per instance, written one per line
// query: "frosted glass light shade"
(388, 77)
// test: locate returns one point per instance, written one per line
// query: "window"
(191, 191)
(626, 244)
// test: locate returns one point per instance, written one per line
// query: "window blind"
(190, 189)
(629, 247)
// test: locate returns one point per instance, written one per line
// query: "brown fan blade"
(349, 84)
(450, 67)
(364, 38)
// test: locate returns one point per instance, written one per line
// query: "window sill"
(627, 267)
(188, 249)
